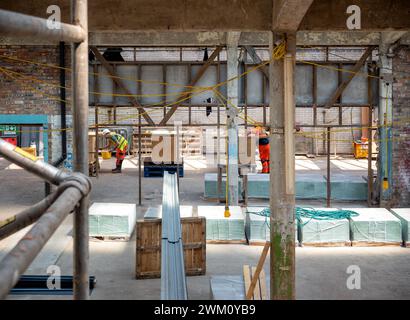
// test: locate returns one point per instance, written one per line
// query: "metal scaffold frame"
(73, 189)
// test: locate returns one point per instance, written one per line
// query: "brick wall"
(33, 88)
(401, 128)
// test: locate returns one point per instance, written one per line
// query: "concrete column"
(282, 197)
(232, 40)
(385, 116)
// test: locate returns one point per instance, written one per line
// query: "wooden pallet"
(159, 169)
(148, 256)
(111, 238)
(327, 244)
(226, 241)
(375, 244)
(262, 243)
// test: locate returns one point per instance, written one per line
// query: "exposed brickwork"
(401, 128)
(38, 95)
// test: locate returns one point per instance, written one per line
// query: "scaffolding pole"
(21, 256)
(80, 135)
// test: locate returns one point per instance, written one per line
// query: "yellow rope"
(278, 53)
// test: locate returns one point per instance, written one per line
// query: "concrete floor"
(320, 272)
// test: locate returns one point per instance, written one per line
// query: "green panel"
(211, 186)
(257, 227)
(375, 225)
(348, 187)
(319, 231)
(220, 228)
(109, 225)
(308, 186)
(112, 219)
(404, 215)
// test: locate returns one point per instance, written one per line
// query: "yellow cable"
(97, 73)
(99, 93)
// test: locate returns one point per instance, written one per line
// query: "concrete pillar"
(385, 116)
(232, 40)
(282, 196)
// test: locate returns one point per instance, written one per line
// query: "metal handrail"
(173, 282)
(50, 213)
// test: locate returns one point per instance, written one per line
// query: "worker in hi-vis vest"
(120, 144)
(264, 148)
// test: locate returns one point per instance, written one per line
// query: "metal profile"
(173, 282)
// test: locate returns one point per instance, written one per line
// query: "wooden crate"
(148, 256)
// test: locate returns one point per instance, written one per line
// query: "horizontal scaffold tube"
(13, 24)
(30, 163)
(20, 257)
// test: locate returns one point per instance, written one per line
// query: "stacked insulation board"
(219, 228)
(375, 226)
(257, 226)
(156, 212)
(112, 219)
(211, 186)
(308, 186)
(404, 215)
(323, 232)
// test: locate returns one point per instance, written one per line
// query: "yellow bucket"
(106, 155)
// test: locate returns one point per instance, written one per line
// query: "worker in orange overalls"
(264, 148)
(121, 145)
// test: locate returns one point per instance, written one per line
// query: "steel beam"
(337, 94)
(198, 76)
(15, 24)
(257, 60)
(120, 84)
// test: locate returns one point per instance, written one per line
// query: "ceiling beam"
(120, 84)
(211, 39)
(288, 14)
(226, 15)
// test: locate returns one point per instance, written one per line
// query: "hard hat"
(106, 131)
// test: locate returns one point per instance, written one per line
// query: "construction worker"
(120, 144)
(264, 148)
